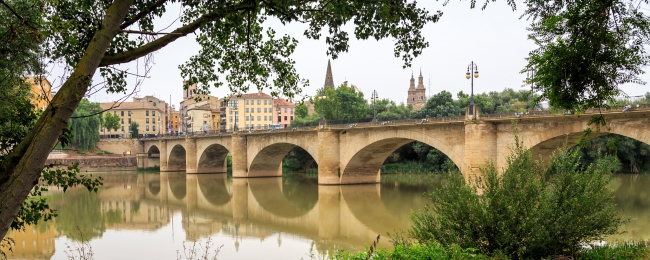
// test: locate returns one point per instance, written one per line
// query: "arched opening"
(268, 162)
(213, 160)
(633, 155)
(153, 151)
(176, 160)
(395, 156)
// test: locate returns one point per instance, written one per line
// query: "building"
(284, 112)
(33, 242)
(199, 115)
(160, 103)
(175, 120)
(417, 97)
(41, 91)
(195, 101)
(148, 115)
(248, 111)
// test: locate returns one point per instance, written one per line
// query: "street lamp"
(251, 115)
(474, 70)
(529, 80)
(236, 117)
(374, 98)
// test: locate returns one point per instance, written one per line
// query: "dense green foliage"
(342, 102)
(417, 157)
(586, 50)
(298, 160)
(633, 156)
(528, 211)
(85, 124)
(111, 122)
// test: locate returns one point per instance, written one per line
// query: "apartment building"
(284, 112)
(160, 103)
(198, 117)
(148, 115)
(175, 120)
(248, 111)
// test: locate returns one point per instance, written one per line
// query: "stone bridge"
(349, 154)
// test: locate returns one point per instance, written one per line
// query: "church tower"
(417, 97)
(329, 80)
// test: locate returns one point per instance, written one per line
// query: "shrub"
(528, 211)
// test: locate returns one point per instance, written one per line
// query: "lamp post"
(251, 115)
(529, 80)
(374, 98)
(236, 117)
(472, 69)
(322, 114)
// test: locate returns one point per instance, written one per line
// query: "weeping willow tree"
(85, 124)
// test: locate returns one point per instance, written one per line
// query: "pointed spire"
(412, 85)
(420, 80)
(329, 80)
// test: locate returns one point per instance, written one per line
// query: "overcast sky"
(495, 39)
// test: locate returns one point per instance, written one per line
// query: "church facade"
(417, 96)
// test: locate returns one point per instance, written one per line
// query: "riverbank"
(96, 163)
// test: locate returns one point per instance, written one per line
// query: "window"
(230, 119)
(246, 118)
(259, 118)
(154, 128)
(252, 118)
(122, 128)
(279, 119)
(147, 113)
(236, 118)
(291, 117)
(259, 101)
(122, 120)
(285, 109)
(147, 120)
(292, 110)
(129, 120)
(122, 113)
(247, 110)
(153, 113)
(265, 103)
(147, 128)
(246, 102)
(264, 110)
(259, 126)
(129, 112)
(285, 118)
(259, 110)
(265, 118)
(153, 120)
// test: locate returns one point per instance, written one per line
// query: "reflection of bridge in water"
(335, 214)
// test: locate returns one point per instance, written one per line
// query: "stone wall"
(118, 146)
(99, 163)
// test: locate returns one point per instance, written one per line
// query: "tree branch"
(130, 55)
(139, 16)
(147, 33)
(17, 15)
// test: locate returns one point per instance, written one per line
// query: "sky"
(495, 39)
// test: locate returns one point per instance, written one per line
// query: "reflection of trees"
(79, 216)
(632, 194)
(300, 191)
(113, 217)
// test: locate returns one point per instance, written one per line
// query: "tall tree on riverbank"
(85, 124)
(111, 122)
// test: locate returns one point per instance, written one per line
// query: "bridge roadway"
(349, 154)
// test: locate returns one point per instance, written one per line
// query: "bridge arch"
(213, 159)
(268, 160)
(153, 151)
(177, 158)
(214, 189)
(270, 195)
(367, 151)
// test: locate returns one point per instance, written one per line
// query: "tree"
(134, 129)
(87, 35)
(301, 110)
(111, 122)
(342, 102)
(85, 125)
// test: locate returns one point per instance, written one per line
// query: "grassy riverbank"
(640, 250)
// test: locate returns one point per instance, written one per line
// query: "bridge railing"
(398, 122)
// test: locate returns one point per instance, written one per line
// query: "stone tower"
(417, 97)
(329, 80)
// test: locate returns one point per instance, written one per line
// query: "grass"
(149, 169)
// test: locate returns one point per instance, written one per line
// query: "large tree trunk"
(22, 168)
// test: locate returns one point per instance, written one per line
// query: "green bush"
(528, 211)
(432, 251)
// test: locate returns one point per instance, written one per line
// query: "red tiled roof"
(280, 102)
(251, 95)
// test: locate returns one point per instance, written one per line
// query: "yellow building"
(175, 121)
(248, 111)
(202, 118)
(148, 115)
(41, 91)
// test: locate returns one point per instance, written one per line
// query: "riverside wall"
(98, 163)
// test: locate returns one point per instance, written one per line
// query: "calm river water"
(160, 216)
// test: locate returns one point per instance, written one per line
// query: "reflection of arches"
(153, 151)
(176, 160)
(365, 204)
(364, 164)
(268, 194)
(177, 184)
(213, 159)
(268, 161)
(154, 186)
(214, 188)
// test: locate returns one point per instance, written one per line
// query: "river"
(162, 215)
